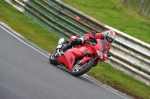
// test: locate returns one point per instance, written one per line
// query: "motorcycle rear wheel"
(53, 58)
(79, 70)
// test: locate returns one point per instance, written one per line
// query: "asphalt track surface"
(25, 73)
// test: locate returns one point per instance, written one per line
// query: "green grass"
(100, 10)
(115, 14)
(27, 27)
(120, 81)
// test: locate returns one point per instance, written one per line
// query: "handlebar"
(90, 42)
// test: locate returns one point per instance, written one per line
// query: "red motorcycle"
(79, 59)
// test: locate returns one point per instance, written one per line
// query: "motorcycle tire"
(88, 65)
(53, 59)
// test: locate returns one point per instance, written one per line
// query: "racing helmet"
(110, 36)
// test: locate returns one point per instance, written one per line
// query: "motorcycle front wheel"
(79, 69)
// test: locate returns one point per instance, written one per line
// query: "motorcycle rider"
(107, 37)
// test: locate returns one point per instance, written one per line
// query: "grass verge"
(115, 14)
(48, 41)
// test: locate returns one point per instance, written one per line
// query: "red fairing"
(68, 59)
(86, 58)
(87, 51)
(104, 57)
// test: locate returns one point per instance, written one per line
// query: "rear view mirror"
(109, 55)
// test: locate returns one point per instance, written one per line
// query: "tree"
(124, 1)
(141, 6)
(147, 10)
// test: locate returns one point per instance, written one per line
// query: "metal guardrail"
(130, 55)
(18, 4)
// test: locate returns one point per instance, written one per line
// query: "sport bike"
(79, 59)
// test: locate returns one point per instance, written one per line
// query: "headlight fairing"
(100, 54)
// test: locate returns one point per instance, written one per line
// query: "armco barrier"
(59, 20)
(18, 4)
(130, 55)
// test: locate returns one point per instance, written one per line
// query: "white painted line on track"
(105, 87)
(85, 75)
